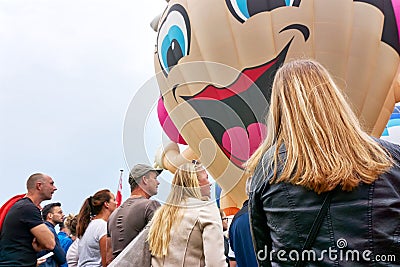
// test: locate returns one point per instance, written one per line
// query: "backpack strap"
(315, 227)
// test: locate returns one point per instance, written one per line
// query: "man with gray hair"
(126, 222)
(23, 232)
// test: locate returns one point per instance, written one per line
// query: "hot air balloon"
(392, 130)
(215, 62)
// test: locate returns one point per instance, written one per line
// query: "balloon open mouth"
(235, 115)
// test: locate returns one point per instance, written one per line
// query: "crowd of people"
(316, 178)
(101, 231)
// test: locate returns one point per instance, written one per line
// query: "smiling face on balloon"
(216, 61)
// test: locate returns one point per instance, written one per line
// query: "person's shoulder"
(386, 144)
(392, 148)
(244, 211)
(114, 214)
(66, 241)
(25, 202)
(195, 206)
(208, 215)
(97, 227)
(98, 223)
(141, 201)
(208, 209)
(25, 206)
(266, 168)
(153, 202)
(50, 226)
(199, 203)
(61, 234)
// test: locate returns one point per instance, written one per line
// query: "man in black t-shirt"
(23, 232)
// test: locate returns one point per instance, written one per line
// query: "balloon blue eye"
(242, 10)
(172, 48)
(289, 2)
(173, 38)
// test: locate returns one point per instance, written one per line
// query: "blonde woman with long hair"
(316, 159)
(187, 231)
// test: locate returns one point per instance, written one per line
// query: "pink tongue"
(239, 144)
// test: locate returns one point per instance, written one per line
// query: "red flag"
(118, 197)
(6, 207)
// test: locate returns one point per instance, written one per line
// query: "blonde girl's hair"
(185, 185)
(70, 222)
(324, 142)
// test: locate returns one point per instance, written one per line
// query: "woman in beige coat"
(187, 231)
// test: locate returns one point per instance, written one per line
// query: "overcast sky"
(68, 72)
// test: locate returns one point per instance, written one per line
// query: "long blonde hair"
(324, 143)
(185, 185)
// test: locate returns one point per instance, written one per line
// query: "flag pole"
(118, 197)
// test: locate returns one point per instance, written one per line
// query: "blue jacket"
(59, 255)
(361, 227)
(65, 243)
(240, 238)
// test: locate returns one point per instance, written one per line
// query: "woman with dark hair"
(320, 183)
(92, 229)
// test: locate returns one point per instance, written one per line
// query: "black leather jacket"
(361, 228)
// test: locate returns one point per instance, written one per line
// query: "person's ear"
(106, 204)
(144, 179)
(38, 185)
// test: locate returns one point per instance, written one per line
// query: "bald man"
(24, 233)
